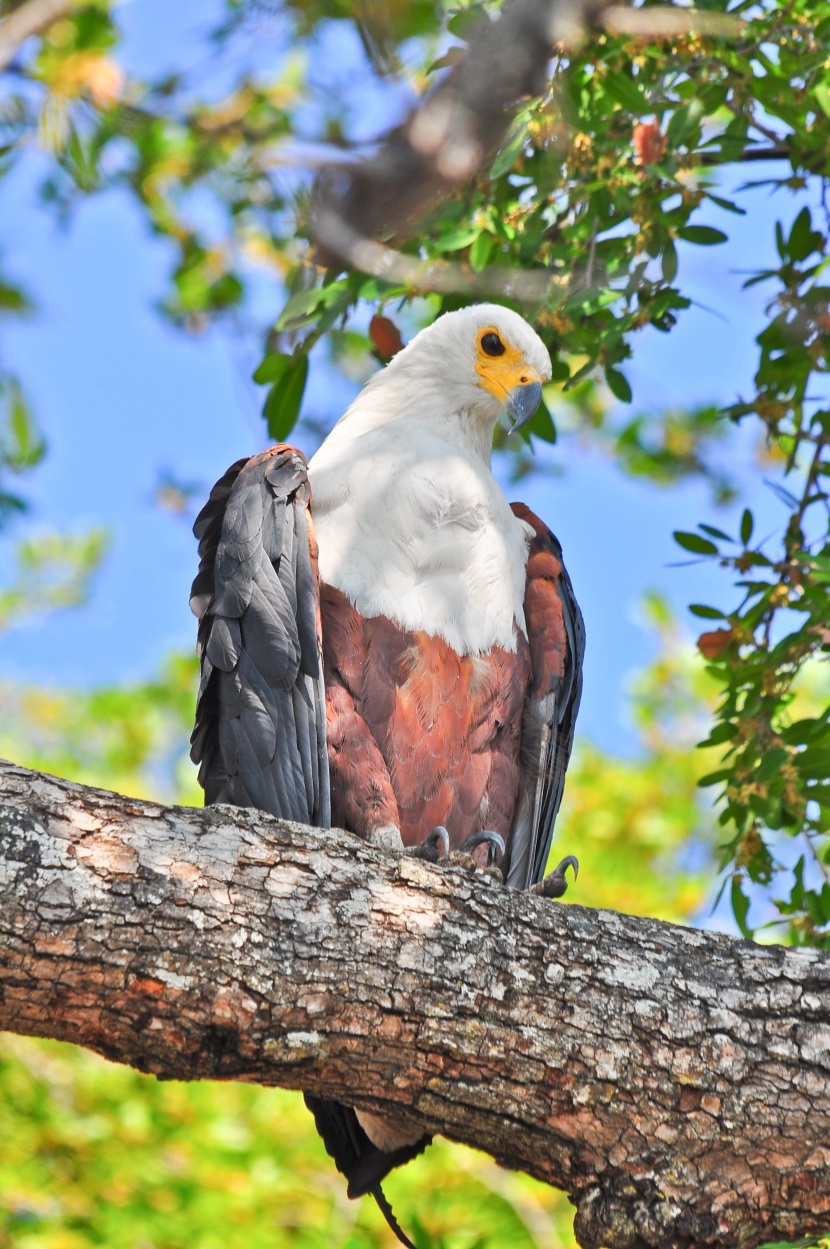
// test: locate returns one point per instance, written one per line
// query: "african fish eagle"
(387, 645)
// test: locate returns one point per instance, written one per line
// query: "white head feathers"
(440, 364)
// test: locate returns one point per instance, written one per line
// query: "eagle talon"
(556, 882)
(434, 848)
(487, 836)
(464, 857)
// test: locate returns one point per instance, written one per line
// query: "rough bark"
(675, 1083)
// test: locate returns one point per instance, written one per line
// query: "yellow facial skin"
(501, 374)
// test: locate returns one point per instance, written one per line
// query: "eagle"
(387, 646)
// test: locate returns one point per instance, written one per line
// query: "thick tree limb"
(456, 127)
(675, 1083)
(449, 135)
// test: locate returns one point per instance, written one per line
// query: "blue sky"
(122, 396)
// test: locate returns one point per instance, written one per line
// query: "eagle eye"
(492, 344)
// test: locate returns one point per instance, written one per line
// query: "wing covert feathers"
(556, 635)
(259, 736)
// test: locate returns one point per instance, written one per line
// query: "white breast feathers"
(412, 525)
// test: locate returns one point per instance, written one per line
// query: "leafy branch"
(776, 763)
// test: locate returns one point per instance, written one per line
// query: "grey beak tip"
(522, 403)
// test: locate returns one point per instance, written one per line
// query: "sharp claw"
(488, 837)
(569, 860)
(434, 847)
(556, 882)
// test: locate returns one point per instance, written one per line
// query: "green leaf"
(780, 245)
(299, 309)
(21, 443)
(282, 407)
(705, 236)
(542, 425)
(822, 93)
(771, 763)
(716, 533)
(480, 251)
(801, 241)
(706, 613)
(814, 763)
(683, 121)
(693, 542)
(510, 153)
(723, 732)
(625, 91)
(11, 503)
(747, 525)
(302, 307)
(13, 299)
(618, 384)
(802, 731)
(740, 907)
(272, 368)
(455, 240)
(726, 203)
(668, 262)
(714, 778)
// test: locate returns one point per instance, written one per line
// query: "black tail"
(386, 1211)
(362, 1163)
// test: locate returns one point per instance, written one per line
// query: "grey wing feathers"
(561, 725)
(260, 735)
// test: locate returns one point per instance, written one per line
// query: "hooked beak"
(522, 402)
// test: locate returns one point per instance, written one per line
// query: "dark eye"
(492, 344)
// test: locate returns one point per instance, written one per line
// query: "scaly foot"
(555, 883)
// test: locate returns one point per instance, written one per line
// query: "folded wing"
(260, 735)
(556, 634)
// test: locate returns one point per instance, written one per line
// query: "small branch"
(443, 276)
(674, 1083)
(27, 20)
(668, 22)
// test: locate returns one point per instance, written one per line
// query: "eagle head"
(484, 359)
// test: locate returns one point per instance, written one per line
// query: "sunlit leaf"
(282, 406)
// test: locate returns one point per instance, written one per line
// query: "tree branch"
(27, 20)
(457, 126)
(673, 1082)
(451, 132)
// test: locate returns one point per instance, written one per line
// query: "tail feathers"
(386, 1210)
(362, 1163)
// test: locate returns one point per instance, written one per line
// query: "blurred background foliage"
(598, 182)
